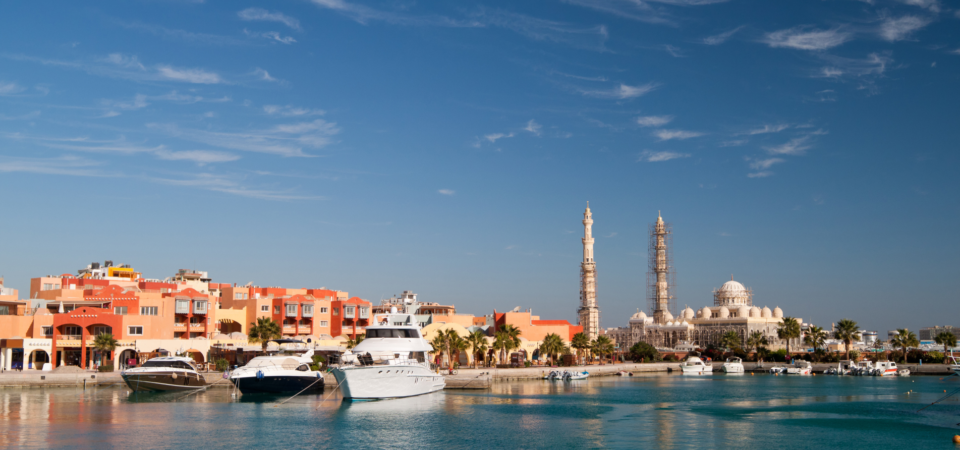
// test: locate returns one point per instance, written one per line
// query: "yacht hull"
(163, 381)
(732, 368)
(277, 384)
(382, 382)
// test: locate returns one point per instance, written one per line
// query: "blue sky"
(807, 148)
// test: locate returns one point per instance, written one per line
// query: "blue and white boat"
(278, 374)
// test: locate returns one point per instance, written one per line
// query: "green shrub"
(222, 365)
(526, 364)
(106, 368)
(670, 357)
(644, 351)
(854, 354)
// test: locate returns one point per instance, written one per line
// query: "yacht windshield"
(171, 364)
(393, 333)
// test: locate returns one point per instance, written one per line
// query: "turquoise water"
(661, 411)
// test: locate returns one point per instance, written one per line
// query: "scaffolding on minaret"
(588, 312)
(661, 277)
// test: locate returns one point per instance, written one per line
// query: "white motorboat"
(800, 367)
(167, 373)
(732, 365)
(573, 376)
(389, 363)
(278, 373)
(553, 375)
(863, 368)
(778, 370)
(903, 373)
(695, 366)
(886, 369)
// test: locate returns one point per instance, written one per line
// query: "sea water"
(652, 411)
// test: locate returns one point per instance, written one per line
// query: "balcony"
(291, 310)
(69, 337)
(196, 325)
(183, 307)
(179, 327)
(364, 313)
(307, 311)
(199, 307)
(349, 313)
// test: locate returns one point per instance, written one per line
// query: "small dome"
(754, 312)
(685, 323)
(724, 312)
(706, 313)
(669, 323)
(732, 287)
(744, 311)
(689, 313)
(777, 313)
(766, 313)
(667, 316)
(639, 316)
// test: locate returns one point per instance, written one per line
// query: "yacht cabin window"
(401, 333)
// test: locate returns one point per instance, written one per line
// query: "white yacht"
(800, 367)
(732, 365)
(390, 362)
(278, 373)
(864, 368)
(695, 366)
(954, 363)
(166, 373)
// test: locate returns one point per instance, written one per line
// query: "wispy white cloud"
(263, 75)
(722, 37)
(234, 186)
(900, 28)
(639, 10)
(763, 174)
(764, 164)
(538, 29)
(197, 76)
(291, 111)
(653, 121)
(200, 157)
(796, 146)
(622, 92)
(806, 38)
(955, 52)
(734, 143)
(65, 165)
(271, 35)
(768, 129)
(141, 101)
(182, 35)
(610, 234)
(652, 156)
(494, 137)
(10, 88)
(874, 64)
(533, 127)
(932, 5)
(674, 51)
(261, 14)
(364, 14)
(447, 191)
(666, 135)
(282, 140)
(126, 61)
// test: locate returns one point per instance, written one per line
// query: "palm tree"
(847, 331)
(730, 340)
(478, 343)
(602, 346)
(756, 340)
(788, 329)
(580, 342)
(499, 344)
(455, 344)
(816, 338)
(439, 343)
(263, 331)
(513, 337)
(946, 339)
(354, 341)
(552, 345)
(905, 339)
(104, 343)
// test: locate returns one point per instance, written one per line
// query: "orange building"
(350, 317)
(534, 329)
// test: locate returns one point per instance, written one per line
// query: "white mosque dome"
(689, 313)
(640, 316)
(754, 312)
(767, 313)
(706, 313)
(669, 323)
(777, 313)
(732, 287)
(685, 323)
(724, 312)
(667, 316)
(744, 311)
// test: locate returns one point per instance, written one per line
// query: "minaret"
(588, 312)
(661, 268)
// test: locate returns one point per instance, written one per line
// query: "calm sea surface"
(661, 411)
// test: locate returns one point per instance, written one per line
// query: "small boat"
(886, 369)
(695, 366)
(954, 363)
(863, 368)
(278, 373)
(553, 375)
(903, 373)
(777, 370)
(166, 373)
(800, 367)
(624, 373)
(573, 376)
(732, 365)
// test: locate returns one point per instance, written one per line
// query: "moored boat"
(278, 373)
(389, 363)
(800, 367)
(167, 373)
(573, 376)
(695, 366)
(732, 365)
(886, 369)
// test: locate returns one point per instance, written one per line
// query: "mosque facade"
(732, 310)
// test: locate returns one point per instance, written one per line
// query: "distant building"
(930, 333)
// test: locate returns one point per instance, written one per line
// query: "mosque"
(732, 310)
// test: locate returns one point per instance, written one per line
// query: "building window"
(292, 310)
(4, 310)
(49, 286)
(324, 323)
(276, 309)
(72, 331)
(264, 308)
(135, 331)
(102, 330)
(323, 310)
(336, 311)
(199, 306)
(148, 311)
(47, 331)
(120, 310)
(183, 306)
